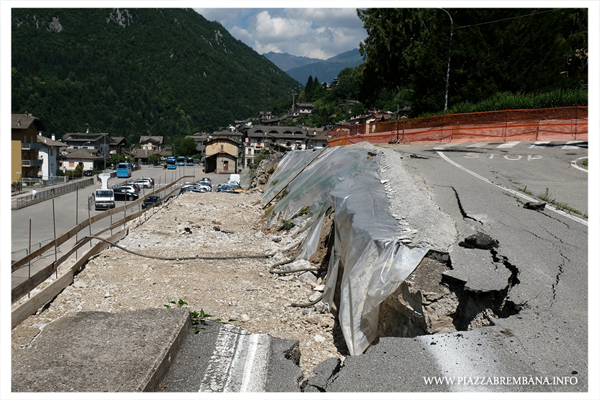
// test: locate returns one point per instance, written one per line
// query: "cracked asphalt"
(541, 259)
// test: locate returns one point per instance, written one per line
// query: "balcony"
(31, 146)
(32, 163)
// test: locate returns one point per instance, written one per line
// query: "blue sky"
(309, 32)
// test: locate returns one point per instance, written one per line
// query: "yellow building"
(25, 162)
(221, 156)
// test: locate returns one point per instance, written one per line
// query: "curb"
(165, 360)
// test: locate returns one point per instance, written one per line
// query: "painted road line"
(516, 193)
(539, 144)
(217, 371)
(574, 164)
(248, 372)
(444, 146)
(507, 145)
(239, 362)
(477, 144)
(573, 145)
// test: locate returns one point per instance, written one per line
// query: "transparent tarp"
(367, 252)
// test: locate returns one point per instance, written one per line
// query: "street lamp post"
(448, 71)
(104, 150)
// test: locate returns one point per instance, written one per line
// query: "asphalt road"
(541, 347)
(548, 337)
(71, 208)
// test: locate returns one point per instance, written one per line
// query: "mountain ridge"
(286, 61)
(136, 72)
(329, 69)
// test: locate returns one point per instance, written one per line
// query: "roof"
(156, 139)
(49, 142)
(88, 137)
(118, 139)
(24, 121)
(320, 136)
(279, 132)
(83, 154)
(221, 139)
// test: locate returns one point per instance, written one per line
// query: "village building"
(221, 155)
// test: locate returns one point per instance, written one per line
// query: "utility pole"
(448, 71)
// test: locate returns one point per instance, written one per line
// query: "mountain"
(133, 72)
(287, 61)
(327, 70)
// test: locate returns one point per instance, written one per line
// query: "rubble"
(239, 291)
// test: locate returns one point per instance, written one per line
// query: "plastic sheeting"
(313, 185)
(367, 250)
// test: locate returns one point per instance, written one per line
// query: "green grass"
(524, 190)
(585, 162)
(561, 206)
(515, 101)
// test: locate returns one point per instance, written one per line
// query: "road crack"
(462, 210)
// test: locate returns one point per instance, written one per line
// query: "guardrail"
(32, 282)
(42, 195)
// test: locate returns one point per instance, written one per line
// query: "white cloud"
(310, 32)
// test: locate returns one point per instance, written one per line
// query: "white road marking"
(444, 146)
(574, 164)
(516, 193)
(239, 362)
(255, 369)
(217, 371)
(507, 145)
(538, 144)
(573, 145)
(477, 144)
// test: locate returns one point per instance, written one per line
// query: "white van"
(234, 178)
(104, 197)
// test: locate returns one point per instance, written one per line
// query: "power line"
(506, 19)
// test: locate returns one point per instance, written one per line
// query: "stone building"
(221, 155)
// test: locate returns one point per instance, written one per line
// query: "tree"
(487, 50)
(185, 146)
(309, 87)
(153, 158)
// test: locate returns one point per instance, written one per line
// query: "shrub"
(286, 225)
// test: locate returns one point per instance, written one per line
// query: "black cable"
(182, 258)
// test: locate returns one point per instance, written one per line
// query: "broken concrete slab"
(323, 374)
(477, 270)
(98, 351)
(226, 358)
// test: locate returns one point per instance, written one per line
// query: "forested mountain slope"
(133, 72)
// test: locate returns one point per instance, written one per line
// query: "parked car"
(89, 172)
(150, 179)
(232, 188)
(133, 185)
(205, 180)
(151, 201)
(144, 182)
(125, 193)
(195, 189)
